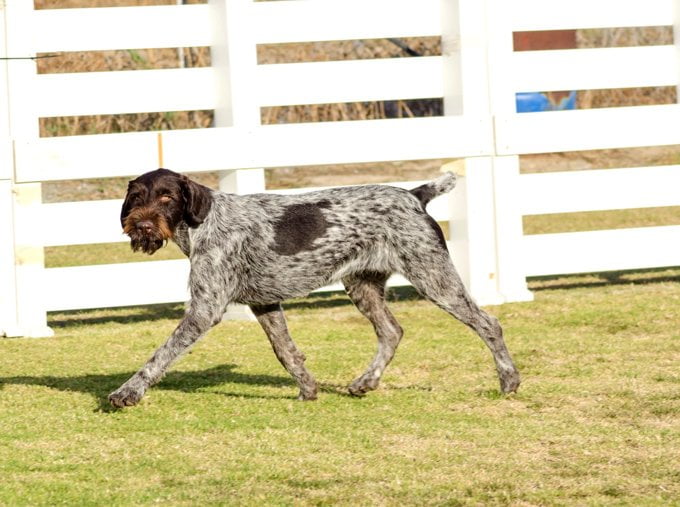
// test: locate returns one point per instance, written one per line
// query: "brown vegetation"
(144, 58)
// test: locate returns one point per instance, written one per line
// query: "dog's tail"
(425, 193)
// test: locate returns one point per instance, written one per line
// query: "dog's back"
(309, 240)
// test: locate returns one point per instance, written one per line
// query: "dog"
(262, 249)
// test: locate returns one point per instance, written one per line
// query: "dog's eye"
(166, 199)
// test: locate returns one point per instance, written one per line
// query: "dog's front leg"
(192, 327)
(204, 310)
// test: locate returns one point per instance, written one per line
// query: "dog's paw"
(308, 392)
(509, 382)
(126, 396)
(362, 385)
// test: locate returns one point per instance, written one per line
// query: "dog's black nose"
(144, 226)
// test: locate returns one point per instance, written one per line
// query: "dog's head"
(156, 203)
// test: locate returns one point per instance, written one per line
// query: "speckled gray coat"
(262, 249)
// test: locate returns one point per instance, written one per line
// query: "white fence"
(477, 76)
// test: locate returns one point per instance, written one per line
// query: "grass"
(596, 421)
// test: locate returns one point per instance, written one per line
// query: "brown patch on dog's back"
(298, 228)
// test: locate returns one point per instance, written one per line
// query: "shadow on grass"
(99, 386)
(125, 315)
(594, 280)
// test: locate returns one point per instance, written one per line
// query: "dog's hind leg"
(273, 322)
(367, 292)
(434, 276)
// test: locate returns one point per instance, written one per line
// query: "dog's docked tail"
(425, 193)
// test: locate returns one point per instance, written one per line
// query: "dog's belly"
(298, 276)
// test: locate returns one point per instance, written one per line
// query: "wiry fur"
(262, 249)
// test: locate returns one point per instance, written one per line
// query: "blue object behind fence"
(533, 102)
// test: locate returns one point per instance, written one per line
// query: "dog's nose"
(144, 226)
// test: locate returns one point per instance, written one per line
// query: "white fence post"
(29, 257)
(471, 228)
(8, 310)
(471, 223)
(234, 55)
(506, 170)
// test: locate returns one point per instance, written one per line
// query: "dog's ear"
(127, 206)
(197, 201)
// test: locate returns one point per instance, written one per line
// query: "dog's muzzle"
(148, 230)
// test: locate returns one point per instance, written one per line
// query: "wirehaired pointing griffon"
(262, 249)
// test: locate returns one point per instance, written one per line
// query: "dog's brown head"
(156, 203)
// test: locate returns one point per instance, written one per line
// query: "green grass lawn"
(596, 420)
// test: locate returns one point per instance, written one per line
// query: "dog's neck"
(182, 239)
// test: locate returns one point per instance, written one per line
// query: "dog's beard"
(148, 242)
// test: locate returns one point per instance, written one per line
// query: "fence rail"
(75, 157)
(476, 76)
(99, 29)
(593, 251)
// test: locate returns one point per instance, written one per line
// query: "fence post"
(506, 169)
(28, 256)
(8, 311)
(234, 56)
(471, 222)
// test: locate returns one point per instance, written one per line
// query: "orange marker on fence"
(160, 150)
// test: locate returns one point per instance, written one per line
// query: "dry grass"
(624, 37)
(353, 173)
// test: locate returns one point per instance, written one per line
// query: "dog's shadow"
(99, 386)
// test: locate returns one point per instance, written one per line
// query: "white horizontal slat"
(80, 223)
(592, 251)
(109, 285)
(96, 156)
(589, 69)
(554, 15)
(211, 149)
(303, 20)
(326, 143)
(86, 222)
(597, 190)
(329, 82)
(95, 29)
(588, 129)
(138, 91)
